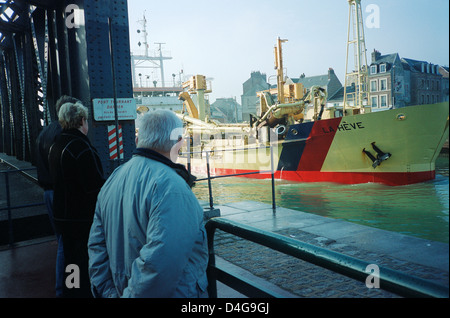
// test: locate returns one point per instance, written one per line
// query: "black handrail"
(390, 280)
(209, 177)
(9, 208)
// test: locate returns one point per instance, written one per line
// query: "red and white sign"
(104, 109)
(112, 138)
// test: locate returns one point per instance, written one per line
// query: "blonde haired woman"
(77, 174)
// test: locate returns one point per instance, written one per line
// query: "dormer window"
(382, 68)
(373, 69)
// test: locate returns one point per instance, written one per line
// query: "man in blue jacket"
(148, 237)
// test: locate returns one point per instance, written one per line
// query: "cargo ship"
(393, 147)
(349, 146)
(295, 136)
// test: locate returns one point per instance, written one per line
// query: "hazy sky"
(227, 40)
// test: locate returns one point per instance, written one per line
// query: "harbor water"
(420, 210)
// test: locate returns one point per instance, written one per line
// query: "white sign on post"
(104, 109)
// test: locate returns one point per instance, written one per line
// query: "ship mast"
(279, 68)
(143, 30)
(358, 76)
(146, 61)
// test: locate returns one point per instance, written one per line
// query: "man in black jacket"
(77, 176)
(43, 143)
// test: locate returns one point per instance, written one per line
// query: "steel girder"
(19, 90)
(48, 57)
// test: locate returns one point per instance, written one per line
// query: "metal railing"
(390, 280)
(9, 207)
(209, 177)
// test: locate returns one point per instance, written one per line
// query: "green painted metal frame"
(390, 280)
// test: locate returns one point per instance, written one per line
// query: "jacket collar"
(75, 132)
(180, 169)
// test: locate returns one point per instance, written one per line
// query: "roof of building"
(319, 80)
(339, 95)
(389, 58)
(407, 63)
(414, 65)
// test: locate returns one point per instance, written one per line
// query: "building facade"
(226, 110)
(249, 100)
(443, 70)
(396, 82)
(426, 82)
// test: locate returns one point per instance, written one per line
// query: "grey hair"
(71, 115)
(159, 130)
(65, 99)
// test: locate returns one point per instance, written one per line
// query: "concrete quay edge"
(400, 246)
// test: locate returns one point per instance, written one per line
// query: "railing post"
(8, 204)
(211, 204)
(274, 206)
(188, 148)
(211, 270)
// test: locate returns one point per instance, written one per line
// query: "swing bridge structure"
(50, 48)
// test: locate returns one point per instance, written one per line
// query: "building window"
(373, 86)
(383, 68)
(383, 101)
(373, 69)
(383, 84)
(422, 99)
(374, 101)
